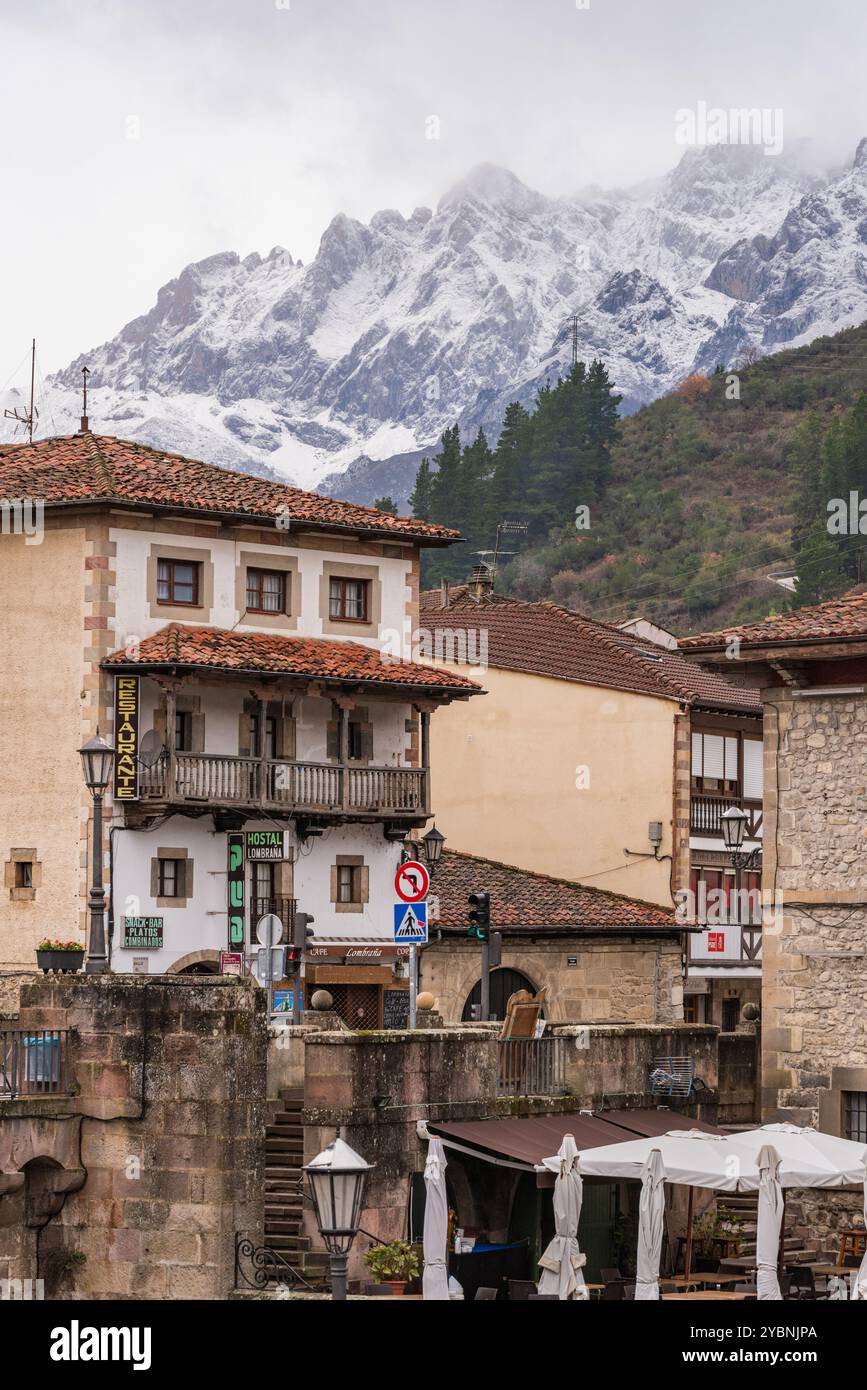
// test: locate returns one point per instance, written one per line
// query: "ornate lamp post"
(337, 1179)
(734, 826)
(97, 761)
(433, 843)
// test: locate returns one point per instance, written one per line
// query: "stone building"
(232, 634)
(598, 756)
(811, 666)
(600, 956)
(130, 1161)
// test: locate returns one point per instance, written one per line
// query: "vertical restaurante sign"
(126, 738)
(236, 889)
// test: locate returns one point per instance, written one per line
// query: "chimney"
(444, 593)
(481, 581)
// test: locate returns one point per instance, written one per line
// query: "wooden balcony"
(706, 809)
(205, 780)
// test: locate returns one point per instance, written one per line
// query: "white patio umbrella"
(769, 1223)
(562, 1262)
(435, 1280)
(860, 1288)
(651, 1219)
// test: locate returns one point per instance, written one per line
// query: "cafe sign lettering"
(142, 933)
(126, 712)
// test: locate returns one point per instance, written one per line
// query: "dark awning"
(524, 1143)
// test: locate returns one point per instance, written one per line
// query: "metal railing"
(531, 1067)
(217, 779)
(706, 809)
(34, 1062)
(284, 908)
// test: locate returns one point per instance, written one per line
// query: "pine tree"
(386, 504)
(421, 498)
(511, 466)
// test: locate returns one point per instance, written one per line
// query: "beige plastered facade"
(560, 778)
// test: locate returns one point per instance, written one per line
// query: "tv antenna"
(29, 417)
(505, 528)
(85, 424)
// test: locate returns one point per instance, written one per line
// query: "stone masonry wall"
(618, 979)
(134, 1186)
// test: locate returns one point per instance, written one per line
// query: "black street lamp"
(97, 761)
(734, 828)
(337, 1178)
(433, 843)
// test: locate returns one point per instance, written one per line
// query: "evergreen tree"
(511, 466)
(445, 485)
(386, 504)
(421, 498)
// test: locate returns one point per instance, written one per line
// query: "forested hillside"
(693, 501)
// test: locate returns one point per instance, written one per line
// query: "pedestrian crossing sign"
(410, 923)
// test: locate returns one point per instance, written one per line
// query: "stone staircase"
(284, 1156)
(742, 1207)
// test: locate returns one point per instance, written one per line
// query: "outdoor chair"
(483, 1295)
(613, 1289)
(802, 1283)
(609, 1275)
(521, 1289)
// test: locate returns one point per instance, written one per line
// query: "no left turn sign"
(412, 881)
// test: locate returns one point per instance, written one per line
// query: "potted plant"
(394, 1264)
(66, 956)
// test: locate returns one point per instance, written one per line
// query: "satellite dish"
(269, 930)
(152, 749)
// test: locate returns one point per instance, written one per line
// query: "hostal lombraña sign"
(266, 845)
(142, 933)
(126, 738)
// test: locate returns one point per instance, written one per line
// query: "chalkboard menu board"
(395, 1008)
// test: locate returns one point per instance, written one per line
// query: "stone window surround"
(22, 856)
(268, 560)
(355, 861)
(831, 1105)
(347, 627)
(200, 612)
(172, 853)
(184, 704)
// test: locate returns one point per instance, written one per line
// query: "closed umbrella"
(860, 1288)
(562, 1262)
(770, 1221)
(651, 1218)
(435, 1280)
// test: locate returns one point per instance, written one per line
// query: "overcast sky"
(140, 135)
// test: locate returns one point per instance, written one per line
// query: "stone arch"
(505, 980)
(187, 964)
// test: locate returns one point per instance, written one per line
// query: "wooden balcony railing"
(34, 1062)
(706, 809)
(212, 779)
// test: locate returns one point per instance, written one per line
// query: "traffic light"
(479, 916)
(302, 931)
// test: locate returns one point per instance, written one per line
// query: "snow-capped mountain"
(340, 373)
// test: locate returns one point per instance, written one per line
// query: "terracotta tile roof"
(460, 597)
(317, 657)
(88, 468)
(838, 618)
(523, 899)
(547, 640)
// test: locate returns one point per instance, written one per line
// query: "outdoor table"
(680, 1279)
(833, 1271)
(705, 1296)
(718, 1278)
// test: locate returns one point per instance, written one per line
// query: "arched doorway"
(196, 963)
(504, 983)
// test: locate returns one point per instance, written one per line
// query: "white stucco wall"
(133, 618)
(202, 924)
